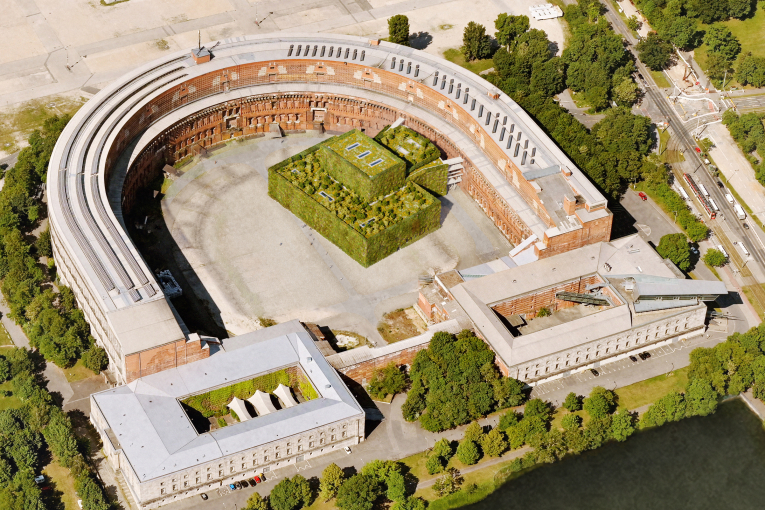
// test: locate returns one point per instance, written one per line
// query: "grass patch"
(11, 402)
(649, 391)
(756, 296)
(445, 26)
(477, 66)
(5, 337)
(62, 483)
(660, 78)
(17, 124)
(78, 372)
(400, 325)
(561, 412)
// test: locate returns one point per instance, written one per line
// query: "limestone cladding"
(227, 469)
(685, 324)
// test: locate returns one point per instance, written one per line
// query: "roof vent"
(308, 359)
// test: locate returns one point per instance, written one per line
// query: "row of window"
(324, 50)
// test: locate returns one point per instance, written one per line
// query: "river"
(715, 462)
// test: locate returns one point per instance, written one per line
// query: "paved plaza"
(253, 258)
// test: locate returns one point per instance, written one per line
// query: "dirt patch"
(342, 340)
(401, 324)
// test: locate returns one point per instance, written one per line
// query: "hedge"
(433, 177)
(214, 403)
(364, 250)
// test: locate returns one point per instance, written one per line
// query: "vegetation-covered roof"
(362, 152)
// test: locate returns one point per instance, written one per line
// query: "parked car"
(232, 486)
(633, 359)
(244, 483)
(39, 479)
(347, 450)
(203, 496)
(257, 479)
(720, 185)
(594, 372)
(262, 477)
(238, 485)
(644, 355)
(643, 196)
(746, 226)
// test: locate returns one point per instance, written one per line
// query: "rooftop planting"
(362, 152)
(409, 145)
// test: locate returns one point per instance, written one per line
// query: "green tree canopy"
(600, 403)
(387, 381)
(291, 494)
(721, 40)
(751, 71)
(468, 452)
(572, 402)
(398, 29)
(476, 43)
(655, 52)
(494, 443)
(675, 247)
(257, 502)
(331, 480)
(715, 258)
(622, 425)
(571, 421)
(359, 492)
(509, 27)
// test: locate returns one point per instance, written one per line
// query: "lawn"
(648, 391)
(17, 124)
(477, 66)
(756, 296)
(5, 338)
(78, 372)
(8, 402)
(400, 325)
(62, 483)
(660, 78)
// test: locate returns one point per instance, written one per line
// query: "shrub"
(398, 29)
(468, 452)
(387, 381)
(571, 421)
(715, 258)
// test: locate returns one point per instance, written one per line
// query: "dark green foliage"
(622, 425)
(387, 381)
(455, 381)
(682, 33)
(525, 430)
(509, 27)
(740, 8)
(474, 432)
(751, 71)
(538, 408)
(674, 203)
(5, 369)
(721, 40)
(91, 493)
(439, 456)
(708, 12)
(598, 431)
(398, 29)
(96, 359)
(359, 492)
(508, 419)
(257, 502)
(494, 443)
(668, 408)
(571, 422)
(572, 403)
(749, 133)
(43, 244)
(468, 452)
(415, 149)
(655, 52)
(600, 403)
(291, 494)
(675, 247)
(476, 43)
(550, 447)
(715, 258)
(623, 132)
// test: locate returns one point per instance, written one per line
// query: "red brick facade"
(530, 304)
(164, 357)
(362, 372)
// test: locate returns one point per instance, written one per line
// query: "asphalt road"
(679, 130)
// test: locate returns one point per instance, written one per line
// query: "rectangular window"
(307, 48)
(331, 50)
(310, 445)
(321, 441)
(220, 473)
(344, 434)
(364, 154)
(162, 491)
(315, 48)
(480, 111)
(265, 459)
(175, 487)
(347, 51)
(198, 480)
(401, 65)
(333, 437)
(292, 48)
(232, 469)
(416, 70)
(323, 49)
(352, 146)
(185, 484)
(363, 54)
(209, 476)
(376, 162)
(472, 105)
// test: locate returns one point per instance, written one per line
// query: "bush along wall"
(368, 230)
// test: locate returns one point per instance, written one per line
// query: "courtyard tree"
(331, 480)
(675, 247)
(715, 258)
(398, 29)
(476, 43)
(96, 359)
(655, 52)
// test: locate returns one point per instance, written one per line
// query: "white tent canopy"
(285, 395)
(262, 403)
(237, 405)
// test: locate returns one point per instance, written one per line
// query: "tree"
(550, 447)
(468, 452)
(5, 370)
(721, 40)
(572, 403)
(508, 420)
(43, 244)
(537, 407)
(598, 431)
(95, 359)
(701, 398)
(600, 402)
(435, 464)
(655, 52)
(331, 480)
(410, 504)
(739, 8)
(715, 258)
(398, 30)
(622, 131)
(476, 44)
(708, 12)
(396, 490)
(474, 432)
(509, 27)
(291, 494)
(622, 425)
(448, 483)
(494, 443)
(387, 381)
(675, 247)
(682, 32)
(633, 23)
(626, 93)
(359, 492)
(751, 71)
(257, 502)
(571, 422)
(548, 77)
(576, 440)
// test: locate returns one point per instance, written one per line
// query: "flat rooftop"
(362, 152)
(156, 435)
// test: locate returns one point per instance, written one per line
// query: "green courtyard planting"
(369, 213)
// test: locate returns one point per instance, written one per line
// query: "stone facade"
(228, 469)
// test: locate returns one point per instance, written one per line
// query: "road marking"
(644, 228)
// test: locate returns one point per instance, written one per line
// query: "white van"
(729, 198)
(722, 250)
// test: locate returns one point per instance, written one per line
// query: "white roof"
(285, 395)
(262, 403)
(237, 405)
(156, 435)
